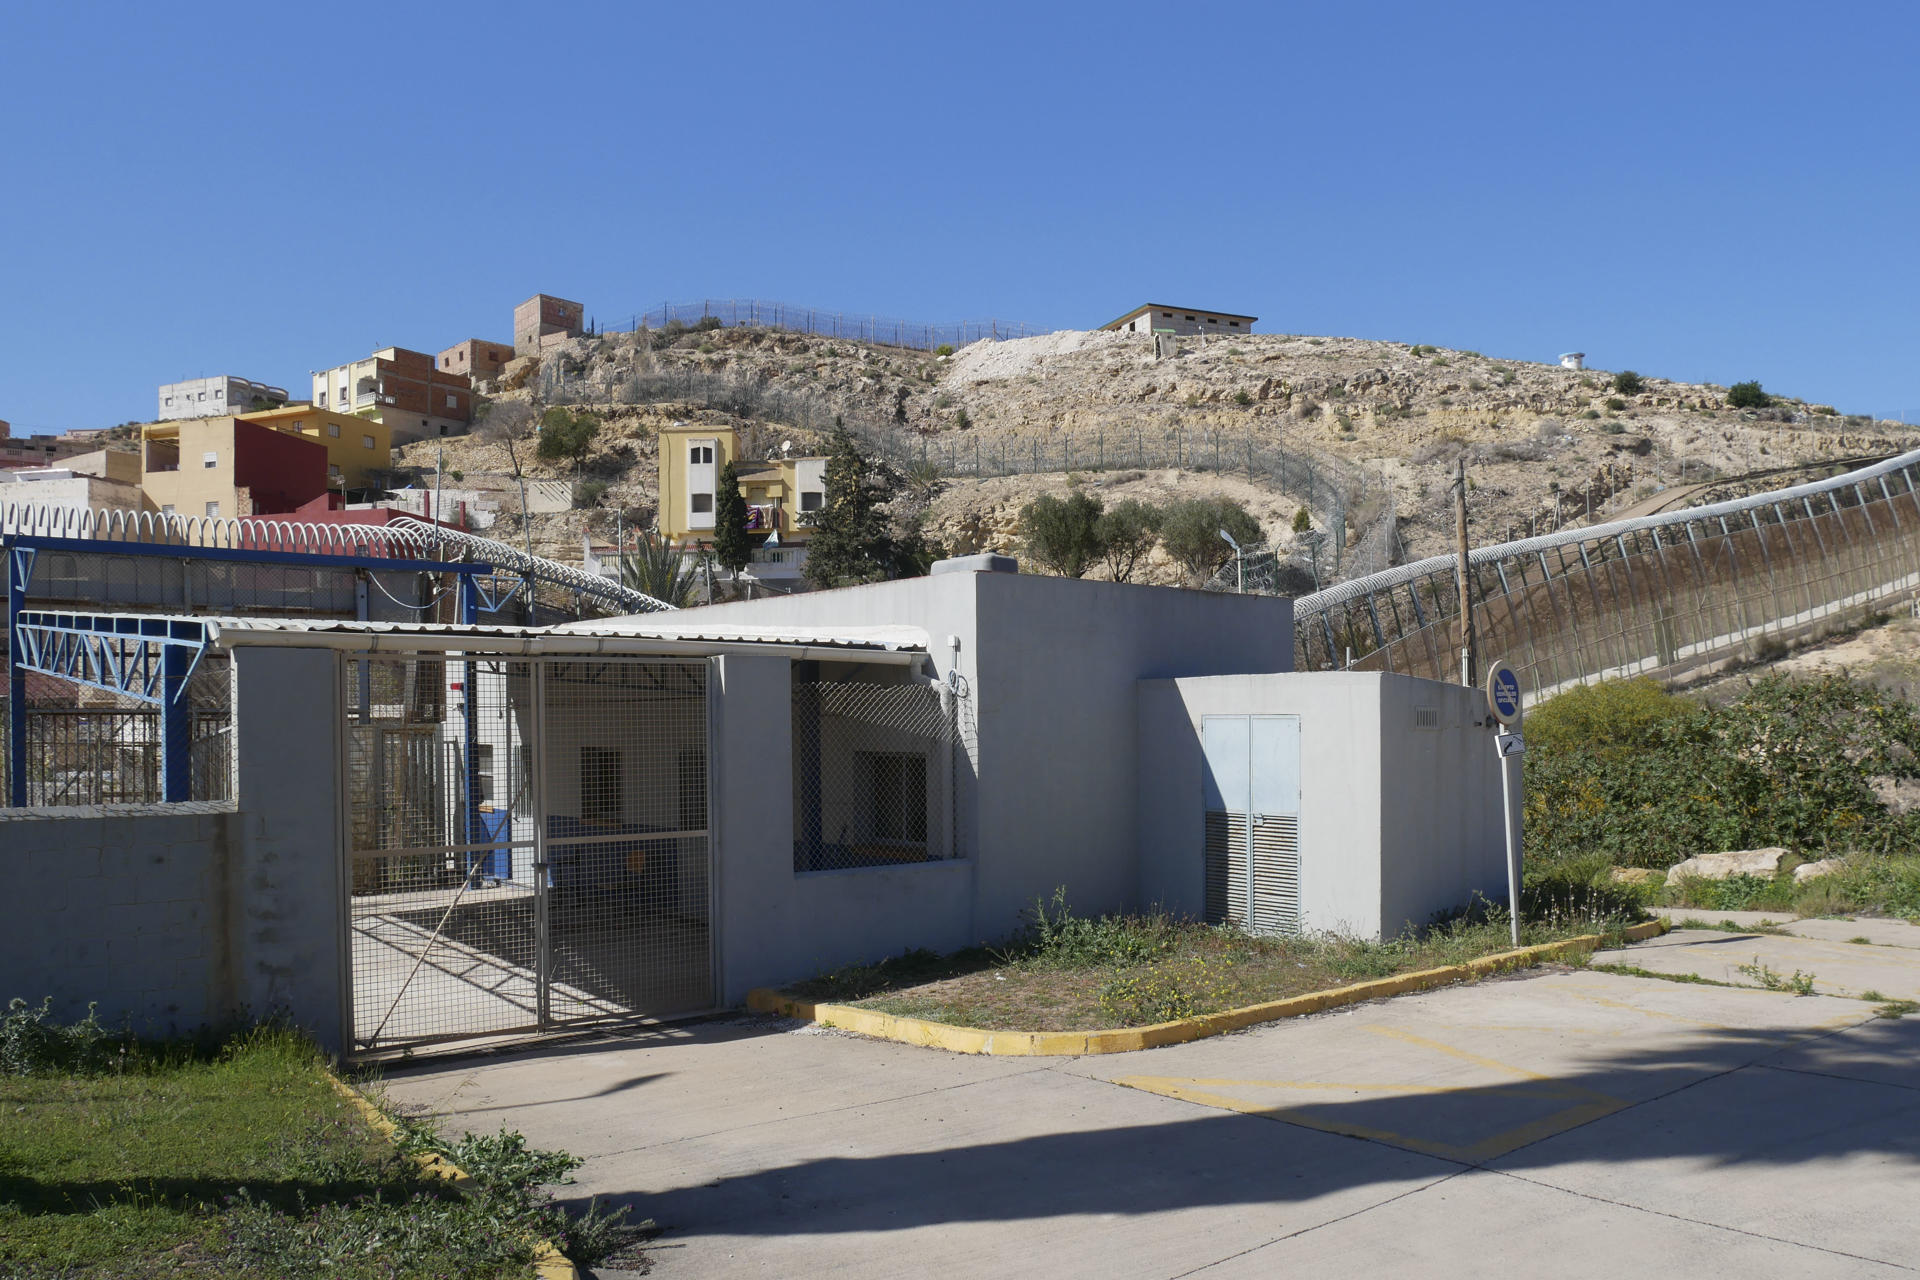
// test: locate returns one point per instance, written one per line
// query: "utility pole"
(1460, 572)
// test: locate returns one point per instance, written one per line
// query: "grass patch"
(1068, 972)
(1635, 971)
(1728, 926)
(1897, 1009)
(240, 1159)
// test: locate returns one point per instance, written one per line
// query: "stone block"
(1814, 870)
(1719, 866)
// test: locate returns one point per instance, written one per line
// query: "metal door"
(528, 844)
(1252, 816)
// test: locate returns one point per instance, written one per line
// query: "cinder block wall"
(125, 905)
(174, 917)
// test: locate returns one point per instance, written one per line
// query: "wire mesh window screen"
(874, 767)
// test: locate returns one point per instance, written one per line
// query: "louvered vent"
(1226, 860)
(1426, 717)
(1276, 873)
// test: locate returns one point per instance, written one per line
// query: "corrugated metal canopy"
(688, 626)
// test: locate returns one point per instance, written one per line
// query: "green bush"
(587, 494)
(1624, 771)
(1063, 533)
(566, 435)
(1747, 395)
(1191, 533)
(1615, 404)
(944, 349)
(1127, 533)
(1302, 520)
(1242, 398)
(1629, 383)
(32, 1044)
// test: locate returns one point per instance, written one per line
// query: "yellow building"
(356, 447)
(778, 492)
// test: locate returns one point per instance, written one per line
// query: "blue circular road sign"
(1503, 694)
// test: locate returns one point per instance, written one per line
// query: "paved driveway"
(1567, 1123)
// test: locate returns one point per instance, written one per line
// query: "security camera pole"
(1460, 572)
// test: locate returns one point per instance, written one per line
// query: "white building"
(212, 397)
(1573, 360)
(1160, 317)
(86, 482)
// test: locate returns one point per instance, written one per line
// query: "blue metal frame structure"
(147, 659)
(150, 659)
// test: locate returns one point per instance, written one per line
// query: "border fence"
(1659, 595)
(885, 330)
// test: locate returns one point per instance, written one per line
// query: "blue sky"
(1714, 192)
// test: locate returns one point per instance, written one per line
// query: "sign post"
(1503, 700)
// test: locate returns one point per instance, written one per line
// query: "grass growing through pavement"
(1067, 972)
(240, 1159)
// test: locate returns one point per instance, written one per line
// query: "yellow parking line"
(1588, 1106)
(1397, 1034)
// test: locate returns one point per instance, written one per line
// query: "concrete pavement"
(1566, 1123)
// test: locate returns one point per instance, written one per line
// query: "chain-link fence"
(1356, 506)
(760, 314)
(1659, 595)
(875, 768)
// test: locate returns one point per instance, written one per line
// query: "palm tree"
(658, 569)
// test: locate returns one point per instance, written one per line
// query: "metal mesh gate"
(529, 844)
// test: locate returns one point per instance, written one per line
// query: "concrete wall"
(172, 917)
(1045, 795)
(773, 924)
(1398, 821)
(211, 397)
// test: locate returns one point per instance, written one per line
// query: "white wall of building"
(1400, 814)
(211, 397)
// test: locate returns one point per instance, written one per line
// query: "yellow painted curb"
(938, 1035)
(548, 1262)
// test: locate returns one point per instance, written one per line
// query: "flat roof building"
(211, 397)
(543, 321)
(404, 389)
(1159, 317)
(476, 357)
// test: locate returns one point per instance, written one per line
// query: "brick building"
(543, 321)
(476, 357)
(406, 390)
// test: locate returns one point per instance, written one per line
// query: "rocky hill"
(1543, 445)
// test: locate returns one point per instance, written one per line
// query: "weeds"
(31, 1044)
(1801, 984)
(1897, 1009)
(1635, 971)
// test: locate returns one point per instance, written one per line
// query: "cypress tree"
(730, 545)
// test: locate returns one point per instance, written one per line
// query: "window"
(213, 510)
(446, 362)
(1189, 317)
(203, 395)
(333, 471)
(166, 508)
(366, 442)
(701, 455)
(210, 459)
(452, 400)
(323, 399)
(1168, 315)
(333, 429)
(600, 785)
(219, 395)
(483, 770)
(169, 399)
(899, 790)
(812, 500)
(1212, 320)
(701, 503)
(1233, 324)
